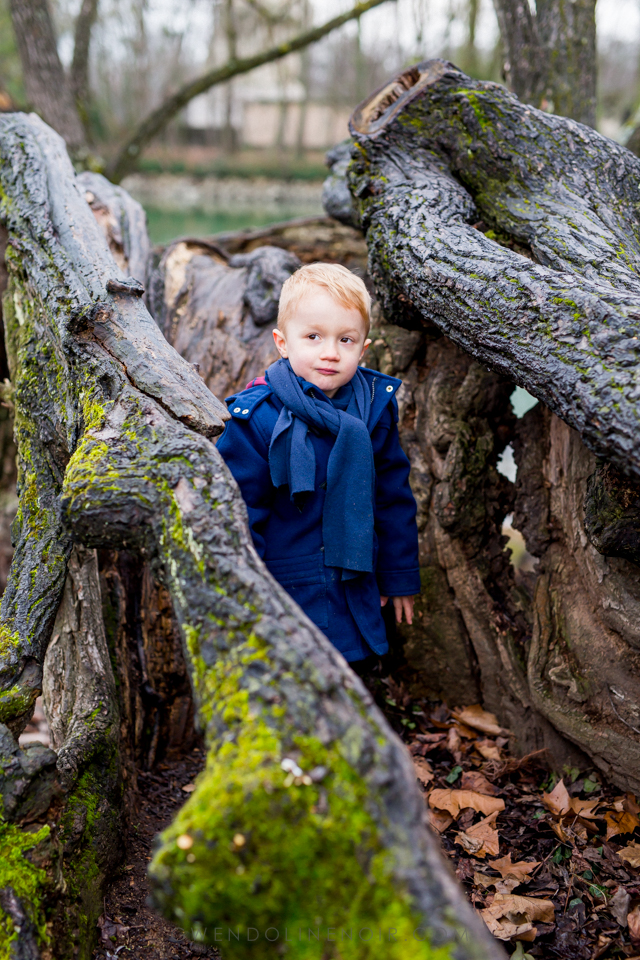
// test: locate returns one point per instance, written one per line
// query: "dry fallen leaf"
(507, 886)
(626, 802)
(488, 749)
(630, 804)
(479, 719)
(633, 922)
(111, 929)
(585, 808)
(631, 853)
(560, 833)
(618, 905)
(454, 744)
(465, 731)
(439, 821)
(471, 845)
(534, 908)
(474, 780)
(558, 802)
(512, 916)
(519, 871)
(578, 829)
(431, 737)
(618, 823)
(504, 929)
(423, 769)
(189, 788)
(483, 881)
(453, 801)
(501, 886)
(481, 838)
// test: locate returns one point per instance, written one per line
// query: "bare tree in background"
(550, 55)
(51, 91)
(48, 87)
(157, 120)
(79, 75)
(231, 37)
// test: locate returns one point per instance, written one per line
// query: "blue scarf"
(347, 518)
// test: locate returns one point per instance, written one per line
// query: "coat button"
(245, 411)
(389, 389)
(236, 409)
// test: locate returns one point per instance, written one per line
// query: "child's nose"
(330, 351)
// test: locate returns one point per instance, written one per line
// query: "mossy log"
(515, 233)
(308, 814)
(444, 168)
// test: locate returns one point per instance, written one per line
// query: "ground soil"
(129, 926)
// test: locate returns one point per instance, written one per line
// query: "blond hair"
(345, 287)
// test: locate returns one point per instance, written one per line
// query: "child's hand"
(401, 605)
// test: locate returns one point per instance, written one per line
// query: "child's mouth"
(326, 372)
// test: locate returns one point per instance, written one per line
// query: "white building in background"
(312, 126)
(269, 107)
(268, 124)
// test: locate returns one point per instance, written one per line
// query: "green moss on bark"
(16, 702)
(26, 880)
(9, 642)
(278, 836)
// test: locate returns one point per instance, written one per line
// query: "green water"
(166, 225)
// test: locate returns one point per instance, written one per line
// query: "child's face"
(324, 341)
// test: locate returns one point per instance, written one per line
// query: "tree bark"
(564, 302)
(550, 56)
(514, 233)
(218, 310)
(114, 452)
(44, 77)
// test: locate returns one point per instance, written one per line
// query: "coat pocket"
(304, 580)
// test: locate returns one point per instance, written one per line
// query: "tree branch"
(131, 150)
(549, 297)
(274, 19)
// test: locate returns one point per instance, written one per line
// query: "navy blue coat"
(289, 537)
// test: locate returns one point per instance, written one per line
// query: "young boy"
(314, 448)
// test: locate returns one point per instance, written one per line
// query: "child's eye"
(313, 336)
(346, 340)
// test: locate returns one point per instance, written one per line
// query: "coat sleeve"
(397, 569)
(246, 454)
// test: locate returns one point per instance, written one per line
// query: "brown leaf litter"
(551, 864)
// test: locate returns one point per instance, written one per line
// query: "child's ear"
(365, 348)
(280, 342)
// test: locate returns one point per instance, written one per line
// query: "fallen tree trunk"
(308, 806)
(515, 233)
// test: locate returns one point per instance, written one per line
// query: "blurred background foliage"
(273, 125)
